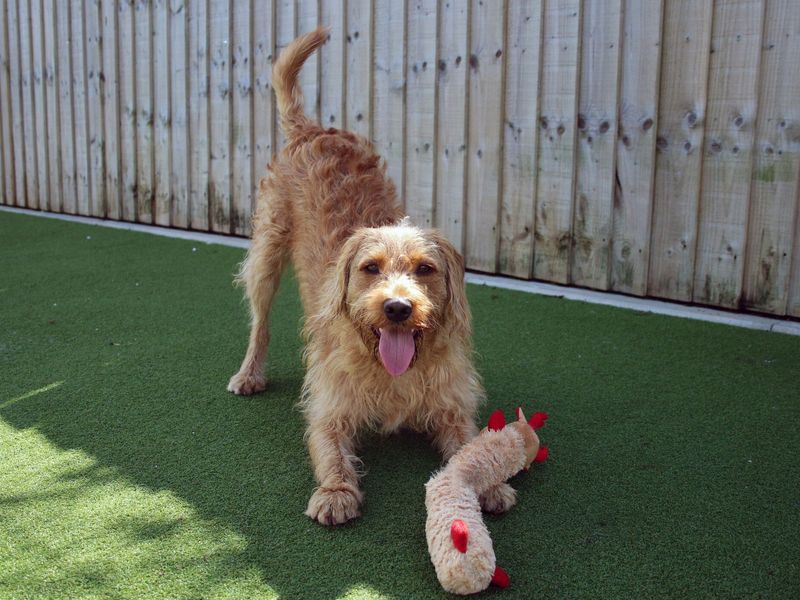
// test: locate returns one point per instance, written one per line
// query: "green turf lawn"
(127, 470)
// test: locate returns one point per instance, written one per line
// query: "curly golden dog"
(387, 322)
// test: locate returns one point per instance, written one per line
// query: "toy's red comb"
(500, 577)
(537, 420)
(542, 454)
(459, 533)
(497, 420)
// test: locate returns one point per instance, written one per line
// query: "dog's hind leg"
(261, 275)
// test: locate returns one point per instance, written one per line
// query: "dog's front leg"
(337, 499)
(453, 431)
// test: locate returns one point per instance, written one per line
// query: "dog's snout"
(397, 309)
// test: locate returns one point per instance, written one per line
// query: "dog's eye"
(371, 268)
(424, 269)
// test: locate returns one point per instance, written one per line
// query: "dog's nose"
(397, 309)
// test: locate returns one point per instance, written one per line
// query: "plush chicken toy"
(458, 541)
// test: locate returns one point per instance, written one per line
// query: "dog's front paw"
(245, 383)
(334, 506)
(498, 499)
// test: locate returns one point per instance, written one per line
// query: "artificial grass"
(127, 470)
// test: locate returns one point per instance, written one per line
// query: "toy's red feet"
(537, 420)
(459, 533)
(500, 577)
(542, 454)
(497, 420)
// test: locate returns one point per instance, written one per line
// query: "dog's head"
(400, 287)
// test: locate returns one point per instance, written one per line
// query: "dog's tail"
(284, 79)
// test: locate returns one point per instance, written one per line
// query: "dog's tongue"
(396, 348)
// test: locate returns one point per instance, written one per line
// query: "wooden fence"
(650, 147)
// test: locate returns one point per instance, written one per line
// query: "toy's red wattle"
(500, 577)
(497, 420)
(537, 420)
(459, 533)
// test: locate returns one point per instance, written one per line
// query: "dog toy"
(458, 541)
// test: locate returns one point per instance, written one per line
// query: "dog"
(387, 324)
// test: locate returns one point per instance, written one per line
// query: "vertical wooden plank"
(420, 112)
(451, 124)
(484, 150)
(127, 107)
(54, 140)
(555, 172)
(388, 86)
(524, 42)
(595, 169)
(17, 131)
(681, 118)
(728, 151)
(2, 106)
(67, 150)
(308, 20)
(198, 111)
(633, 200)
(332, 66)
(219, 110)
(263, 107)
(242, 122)
(80, 122)
(285, 32)
(179, 101)
(162, 117)
(144, 111)
(794, 282)
(95, 95)
(6, 156)
(776, 164)
(28, 106)
(111, 113)
(15, 78)
(9, 184)
(39, 78)
(358, 115)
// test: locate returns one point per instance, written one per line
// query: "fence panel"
(649, 147)
(557, 128)
(771, 234)
(420, 113)
(596, 150)
(635, 168)
(520, 138)
(451, 126)
(727, 151)
(39, 82)
(484, 148)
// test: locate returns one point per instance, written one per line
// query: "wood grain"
(557, 130)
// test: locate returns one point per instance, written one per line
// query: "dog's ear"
(457, 312)
(336, 289)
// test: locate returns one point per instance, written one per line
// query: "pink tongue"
(396, 348)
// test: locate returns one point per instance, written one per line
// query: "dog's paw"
(498, 499)
(245, 383)
(334, 506)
